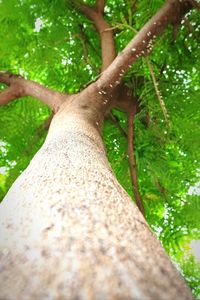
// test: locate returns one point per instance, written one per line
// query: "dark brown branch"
(170, 13)
(132, 163)
(20, 87)
(95, 14)
(100, 4)
(195, 4)
(162, 189)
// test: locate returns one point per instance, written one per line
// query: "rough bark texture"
(69, 230)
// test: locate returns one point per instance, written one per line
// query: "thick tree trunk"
(69, 231)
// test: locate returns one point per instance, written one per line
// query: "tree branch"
(132, 163)
(95, 14)
(20, 87)
(188, 24)
(195, 4)
(100, 4)
(170, 13)
(158, 93)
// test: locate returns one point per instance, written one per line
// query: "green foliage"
(50, 42)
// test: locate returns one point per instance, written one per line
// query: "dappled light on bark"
(68, 229)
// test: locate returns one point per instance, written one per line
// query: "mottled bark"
(122, 95)
(68, 229)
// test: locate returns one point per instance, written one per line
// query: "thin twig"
(188, 24)
(158, 93)
(121, 25)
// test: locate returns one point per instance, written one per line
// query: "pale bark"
(68, 230)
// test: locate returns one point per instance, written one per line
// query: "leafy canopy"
(52, 43)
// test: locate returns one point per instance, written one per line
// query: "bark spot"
(47, 229)
(45, 253)
(85, 106)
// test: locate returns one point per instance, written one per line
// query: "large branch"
(100, 4)
(170, 13)
(95, 14)
(20, 87)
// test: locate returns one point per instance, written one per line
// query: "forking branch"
(123, 98)
(170, 13)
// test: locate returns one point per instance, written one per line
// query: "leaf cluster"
(51, 43)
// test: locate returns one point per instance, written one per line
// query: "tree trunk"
(70, 231)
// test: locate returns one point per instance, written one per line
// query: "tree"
(67, 226)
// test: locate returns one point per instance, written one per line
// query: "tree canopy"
(53, 43)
